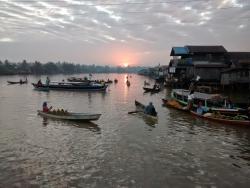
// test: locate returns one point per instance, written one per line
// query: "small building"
(204, 61)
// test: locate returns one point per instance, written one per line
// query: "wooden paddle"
(133, 112)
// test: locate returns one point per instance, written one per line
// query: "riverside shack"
(205, 61)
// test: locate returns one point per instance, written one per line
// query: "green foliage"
(24, 67)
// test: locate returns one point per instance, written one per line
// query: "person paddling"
(150, 109)
(45, 107)
(47, 81)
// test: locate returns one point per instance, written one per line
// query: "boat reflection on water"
(149, 121)
(86, 125)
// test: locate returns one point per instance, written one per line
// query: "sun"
(125, 64)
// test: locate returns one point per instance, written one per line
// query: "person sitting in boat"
(39, 83)
(230, 104)
(21, 81)
(45, 107)
(47, 80)
(150, 109)
(200, 109)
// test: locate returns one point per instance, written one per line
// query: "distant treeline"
(24, 67)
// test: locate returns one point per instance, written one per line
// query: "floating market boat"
(140, 109)
(213, 102)
(71, 116)
(71, 87)
(236, 120)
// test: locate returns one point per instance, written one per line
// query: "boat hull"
(71, 87)
(222, 121)
(72, 116)
(24, 82)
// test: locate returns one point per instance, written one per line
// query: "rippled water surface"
(118, 150)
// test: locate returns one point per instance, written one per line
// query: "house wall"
(208, 73)
(242, 76)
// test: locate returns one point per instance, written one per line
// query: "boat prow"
(172, 103)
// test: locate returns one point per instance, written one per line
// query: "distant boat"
(71, 116)
(128, 83)
(18, 82)
(71, 87)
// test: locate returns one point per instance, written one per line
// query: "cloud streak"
(140, 26)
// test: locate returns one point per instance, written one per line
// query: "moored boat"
(18, 82)
(71, 87)
(213, 102)
(245, 122)
(71, 116)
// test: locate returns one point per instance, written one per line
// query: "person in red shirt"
(45, 107)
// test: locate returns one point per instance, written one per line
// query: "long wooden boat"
(71, 87)
(223, 121)
(72, 116)
(213, 102)
(141, 107)
(152, 90)
(18, 82)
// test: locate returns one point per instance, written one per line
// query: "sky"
(118, 32)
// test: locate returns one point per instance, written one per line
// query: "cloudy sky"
(118, 32)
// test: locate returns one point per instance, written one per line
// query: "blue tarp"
(178, 51)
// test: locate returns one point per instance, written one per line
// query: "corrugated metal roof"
(197, 95)
(206, 49)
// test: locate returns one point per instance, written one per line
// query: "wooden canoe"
(140, 108)
(22, 82)
(172, 103)
(71, 116)
(223, 121)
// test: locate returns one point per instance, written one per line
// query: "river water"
(118, 150)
